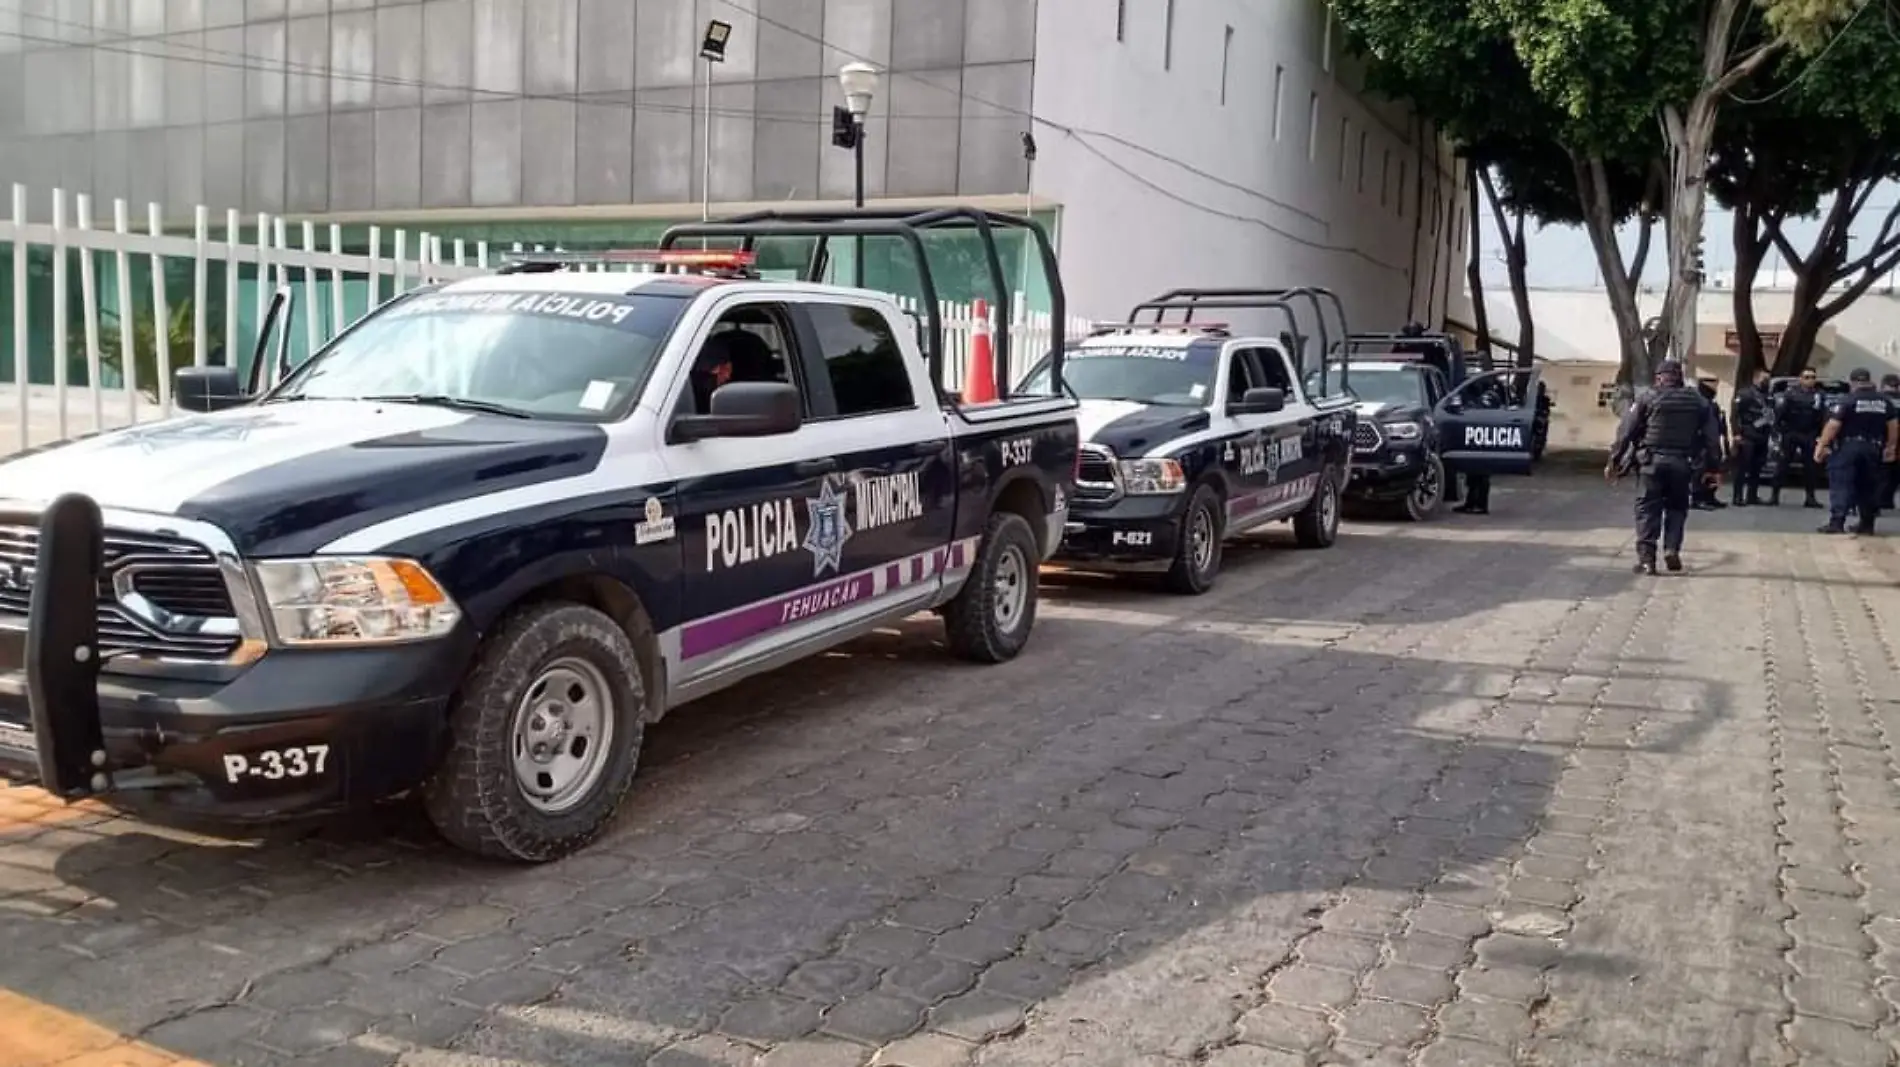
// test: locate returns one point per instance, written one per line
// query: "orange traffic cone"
(979, 382)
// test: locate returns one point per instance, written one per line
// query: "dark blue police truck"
(482, 538)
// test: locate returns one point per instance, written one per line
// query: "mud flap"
(62, 649)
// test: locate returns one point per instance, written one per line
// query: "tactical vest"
(1675, 423)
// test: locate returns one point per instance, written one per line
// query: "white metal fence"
(98, 312)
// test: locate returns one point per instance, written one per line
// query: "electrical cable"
(1811, 64)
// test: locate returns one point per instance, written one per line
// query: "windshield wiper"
(440, 400)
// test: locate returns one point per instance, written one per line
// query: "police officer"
(1705, 498)
(1751, 417)
(1862, 431)
(1890, 388)
(1798, 415)
(1478, 484)
(1666, 433)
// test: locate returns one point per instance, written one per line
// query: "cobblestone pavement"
(1461, 793)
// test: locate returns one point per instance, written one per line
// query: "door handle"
(927, 448)
(812, 468)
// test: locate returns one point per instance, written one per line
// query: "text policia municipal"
(742, 535)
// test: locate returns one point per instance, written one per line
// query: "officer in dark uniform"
(1665, 434)
(1798, 415)
(1751, 417)
(1705, 498)
(1890, 388)
(1478, 484)
(1862, 431)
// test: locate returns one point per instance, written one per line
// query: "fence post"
(22, 361)
(481, 254)
(401, 277)
(161, 318)
(234, 237)
(60, 324)
(313, 308)
(337, 307)
(128, 339)
(264, 285)
(89, 305)
(200, 344)
(375, 267)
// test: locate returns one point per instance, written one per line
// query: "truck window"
(1276, 376)
(862, 359)
(1241, 374)
(750, 343)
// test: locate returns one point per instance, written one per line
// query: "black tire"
(475, 798)
(1427, 496)
(1197, 557)
(1317, 524)
(979, 625)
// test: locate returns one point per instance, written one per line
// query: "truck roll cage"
(908, 226)
(1403, 346)
(1189, 300)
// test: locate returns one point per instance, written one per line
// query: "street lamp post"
(712, 49)
(859, 82)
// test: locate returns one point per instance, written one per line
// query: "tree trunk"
(1751, 247)
(1474, 258)
(1691, 136)
(1803, 327)
(1599, 221)
(1511, 233)
(1418, 227)
(1517, 261)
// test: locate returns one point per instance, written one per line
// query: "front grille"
(1095, 474)
(175, 574)
(1366, 438)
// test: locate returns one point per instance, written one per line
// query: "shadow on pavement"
(865, 842)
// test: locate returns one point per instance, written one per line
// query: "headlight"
(353, 600)
(1402, 431)
(1149, 476)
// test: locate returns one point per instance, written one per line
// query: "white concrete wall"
(1222, 200)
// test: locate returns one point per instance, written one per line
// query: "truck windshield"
(1143, 374)
(555, 355)
(1379, 385)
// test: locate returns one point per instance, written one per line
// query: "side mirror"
(208, 388)
(744, 409)
(1263, 401)
(1454, 403)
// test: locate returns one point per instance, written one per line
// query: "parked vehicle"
(1771, 471)
(1193, 436)
(484, 537)
(1429, 411)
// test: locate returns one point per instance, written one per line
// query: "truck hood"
(1385, 411)
(1133, 429)
(287, 478)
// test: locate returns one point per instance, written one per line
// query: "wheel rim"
(1011, 587)
(563, 732)
(1328, 509)
(1201, 539)
(1430, 485)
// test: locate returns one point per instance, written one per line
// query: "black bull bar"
(62, 650)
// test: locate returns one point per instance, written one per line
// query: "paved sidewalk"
(1460, 793)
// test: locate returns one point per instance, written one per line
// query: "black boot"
(1831, 528)
(1810, 502)
(1672, 561)
(1645, 564)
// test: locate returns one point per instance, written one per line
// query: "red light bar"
(673, 257)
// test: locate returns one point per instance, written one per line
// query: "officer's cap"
(1669, 370)
(1890, 381)
(1860, 374)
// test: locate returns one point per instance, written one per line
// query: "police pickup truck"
(1190, 437)
(1427, 411)
(486, 535)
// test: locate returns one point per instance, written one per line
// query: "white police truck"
(480, 540)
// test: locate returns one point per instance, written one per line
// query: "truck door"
(1487, 423)
(895, 468)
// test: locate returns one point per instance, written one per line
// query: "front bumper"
(1134, 533)
(296, 732)
(1388, 474)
